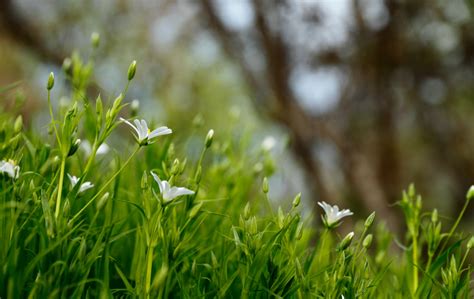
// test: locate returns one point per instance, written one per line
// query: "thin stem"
(60, 187)
(105, 185)
(451, 232)
(149, 264)
(464, 259)
(52, 119)
(415, 265)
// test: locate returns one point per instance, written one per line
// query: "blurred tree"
(404, 112)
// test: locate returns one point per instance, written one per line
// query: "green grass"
(121, 238)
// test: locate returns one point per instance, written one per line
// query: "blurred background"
(354, 99)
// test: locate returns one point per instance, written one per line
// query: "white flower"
(333, 215)
(144, 135)
(87, 148)
(9, 168)
(84, 186)
(268, 143)
(169, 193)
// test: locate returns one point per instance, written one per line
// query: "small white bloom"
(169, 193)
(333, 215)
(9, 168)
(144, 134)
(135, 105)
(84, 186)
(87, 148)
(268, 143)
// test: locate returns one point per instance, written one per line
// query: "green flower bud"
(434, 216)
(95, 39)
(18, 124)
(209, 138)
(299, 231)
(175, 167)
(50, 84)
(345, 242)
(144, 181)
(102, 201)
(74, 147)
(369, 220)
(367, 241)
(195, 210)
(470, 243)
(265, 187)
(253, 227)
(99, 109)
(470, 193)
(198, 176)
(281, 218)
(247, 211)
(297, 200)
(132, 69)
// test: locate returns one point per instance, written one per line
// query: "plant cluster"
(77, 220)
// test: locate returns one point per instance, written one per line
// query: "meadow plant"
(120, 227)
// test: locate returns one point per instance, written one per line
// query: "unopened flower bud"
(195, 210)
(253, 227)
(369, 220)
(367, 241)
(247, 211)
(434, 216)
(50, 84)
(144, 181)
(175, 167)
(265, 185)
(132, 69)
(299, 231)
(345, 242)
(470, 193)
(74, 147)
(209, 138)
(102, 201)
(470, 243)
(281, 218)
(297, 200)
(198, 176)
(95, 39)
(18, 124)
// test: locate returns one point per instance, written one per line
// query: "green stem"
(455, 226)
(149, 264)
(415, 265)
(60, 187)
(105, 185)
(464, 259)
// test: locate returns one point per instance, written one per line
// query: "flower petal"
(157, 179)
(160, 131)
(130, 124)
(85, 186)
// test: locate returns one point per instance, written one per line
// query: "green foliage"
(113, 233)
